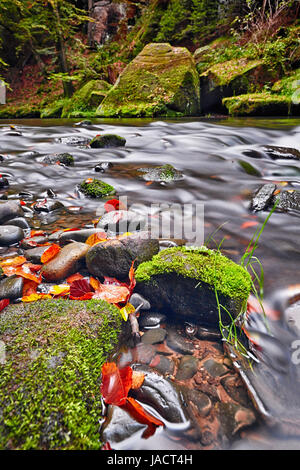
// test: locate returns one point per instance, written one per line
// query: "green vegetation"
(97, 189)
(107, 140)
(200, 264)
(50, 384)
(259, 104)
(85, 100)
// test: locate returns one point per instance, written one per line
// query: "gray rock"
(136, 300)
(165, 365)
(288, 200)
(121, 221)
(48, 205)
(187, 368)
(178, 343)
(77, 235)
(154, 336)
(119, 425)
(163, 173)
(74, 140)
(214, 368)
(107, 140)
(10, 234)
(11, 288)
(150, 320)
(33, 241)
(34, 254)
(143, 353)
(263, 197)
(103, 166)
(114, 257)
(10, 210)
(20, 222)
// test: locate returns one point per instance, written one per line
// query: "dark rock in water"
(274, 152)
(77, 235)
(64, 158)
(160, 393)
(103, 166)
(10, 210)
(208, 334)
(181, 282)
(1, 158)
(136, 300)
(149, 320)
(119, 426)
(288, 200)
(74, 140)
(143, 353)
(235, 390)
(165, 365)
(263, 197)
(65, 263)
(114, 257)
(187, 368)
(154, 336)
(31, 242)
(96, 188)
(215, 368)
(3, 182)
(107, 140)
(11, 288)
(179, 344)
(234, 418)
(34, 254)
(200, 399)
(3, 197)
(20, 222)
(10, 234)
(249, 169)
(48, 205)
(25, 195)
(165, 173)
(122, 221)
(84, 123)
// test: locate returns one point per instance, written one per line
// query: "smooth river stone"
(119, 425)
(10, 210)
(178, 343)
(150, 320)
(65, 263)
(10, 234)
(11, 288)
(77, 235)
(154, 336)
(187, 368)
(34, 254)
(20, 222)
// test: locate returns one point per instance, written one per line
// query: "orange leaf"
(137, 379)
(94, 283)
(97, 237)
(116, 383)
(29, 287)
(249, 223)
(35, 233)
(74, 277)
(23, 271)
(17, 261)
(148, 183)
(112, 294)
(50, 253)
(141, 416)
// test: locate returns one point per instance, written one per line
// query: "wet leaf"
(4, 303)
(97, 237)
(17, 261)
(35, 297)
(137, 379)
(74, 277)
(23, 271)
(50, 253)
(125, 311)
(142, 416)
(116, 383)
(60, 290)
(95, 283)
(81, 290)
(29, 287)
(114, 205)
(248, 224)
(112, 294)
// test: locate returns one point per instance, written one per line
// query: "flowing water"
(219, 171)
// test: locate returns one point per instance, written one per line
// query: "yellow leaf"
(35, 297)
(61, 289)
(127, 310)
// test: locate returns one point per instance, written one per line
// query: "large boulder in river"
(114, 257)
(182, 282)
(50, 370)
(161, 81)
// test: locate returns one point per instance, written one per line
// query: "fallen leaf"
(116, 383)
(60, 290)
(35, 297)
(95, 283)
(4, 303)
(97, 237)
(17, 261)
(137, 379)
(141, 416)
(74, 277)
(23, 271)
(29, 287)
(114, 205)
(248, 224)
(81, 288)
(50, 253)
(112, 294)
(127, 310)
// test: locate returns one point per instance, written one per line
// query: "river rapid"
(216, 159)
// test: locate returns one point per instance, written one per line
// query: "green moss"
(107, 140)
(66, 158)
(49, 384)
(288, 85)
(258, 104)
(97, 189)
(85, 101)
(54, 109)
(200, 264)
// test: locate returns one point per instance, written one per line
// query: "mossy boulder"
(107, 141)
(85, 101)
(234, 77)
(96, 188)
(50, 374)
(54, 109)
(260, 104)
(164, 173)
(161, 81)
(182, 281)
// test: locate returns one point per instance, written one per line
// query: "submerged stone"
(64, 158)
(107, 140)
(49, 384)
(165, 173)
(161, 81)
(183, 281)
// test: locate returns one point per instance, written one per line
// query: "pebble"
(143, 353)
(187, 368)
(136, 300)
(178, 343)
(103, 166)
(77, 235)
(20, 222)
(10, 234)
(214, 368)
(150, 320)
(234, 417)
(163, 364)
(34, 254)
(10, 210)
(119, 425)
(201, 400)
(154, 336)
(11, 287)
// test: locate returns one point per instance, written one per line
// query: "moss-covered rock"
(107, 140)
(161, 81)
(164, 173)
(234, 77)
(183, 281)
(260, 104)
(54, 109)
(96, 188)
(50, 379)
(85, 101)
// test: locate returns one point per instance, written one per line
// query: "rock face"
(161, 81)
(49, 383)
(181, 282)
(65, 263)
(230, 78)
(114, 257)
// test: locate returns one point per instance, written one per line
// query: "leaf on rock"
(17, 261)
(23, 271)
(60, 290)
(137, 379)
(95, 283)
(35, 297)
(97, 237)
(116, 383)
(50, 253)
(74, 277)
(142, 416)
(112, 294)
(81, 290)
(3, 303)
(127, 310)
(29, 287)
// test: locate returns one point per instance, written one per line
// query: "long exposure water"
(217, 160)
